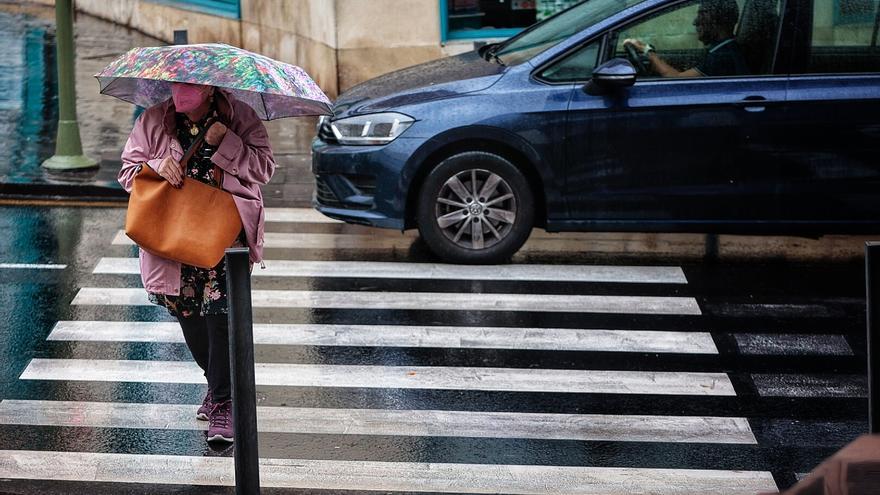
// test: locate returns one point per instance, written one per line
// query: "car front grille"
(324, 194)
(358, 195)
(366, 184)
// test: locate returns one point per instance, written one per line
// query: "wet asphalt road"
(789, 338)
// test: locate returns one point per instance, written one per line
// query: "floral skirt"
(202, 291)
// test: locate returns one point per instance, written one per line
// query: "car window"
(670, 30)
(575, 67)
(844, 37)
(704, 38)
(558, 28)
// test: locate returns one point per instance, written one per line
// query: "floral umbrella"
(274, 89)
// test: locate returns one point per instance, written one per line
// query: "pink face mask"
(188, 97)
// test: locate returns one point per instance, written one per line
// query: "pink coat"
(244, 156)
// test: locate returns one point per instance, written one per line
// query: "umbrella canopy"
(274, 89)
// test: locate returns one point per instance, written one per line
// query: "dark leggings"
(208, 340)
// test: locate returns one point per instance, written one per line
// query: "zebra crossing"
(447, 379)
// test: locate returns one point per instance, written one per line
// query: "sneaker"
(206, 407)
(220, 426)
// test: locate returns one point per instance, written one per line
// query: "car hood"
(434, 80)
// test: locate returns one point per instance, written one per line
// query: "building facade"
(339, 42)
(344, 42)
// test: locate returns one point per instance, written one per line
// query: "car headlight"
(375, 128)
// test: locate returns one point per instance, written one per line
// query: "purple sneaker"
(220, 426)
(206, 407)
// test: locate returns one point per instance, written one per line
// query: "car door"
(833, 148)
(674, 152)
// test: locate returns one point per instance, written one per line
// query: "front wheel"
(475, 208)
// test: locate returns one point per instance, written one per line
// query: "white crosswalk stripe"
(787, 344)
(32, 266)
(104, 296)
(587, 427)
(394, 476)
(297, 215)
(434, 271)
(800, 385)
(404, 377)
(551, 339)
(539, 242)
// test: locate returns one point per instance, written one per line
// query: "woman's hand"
(172, 171)
(215, 134)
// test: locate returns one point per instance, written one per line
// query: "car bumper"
(362, 184)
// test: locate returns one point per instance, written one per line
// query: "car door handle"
(753, 103)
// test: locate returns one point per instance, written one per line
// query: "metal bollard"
(872, 282)
(241, 364)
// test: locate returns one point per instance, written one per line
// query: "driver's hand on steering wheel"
(637, 44)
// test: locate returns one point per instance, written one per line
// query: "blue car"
(724, 116)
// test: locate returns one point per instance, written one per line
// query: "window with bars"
(476, 19)
(845, 42)
(855, 11)
(223, 8)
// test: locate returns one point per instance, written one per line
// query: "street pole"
(68, 147)
(241, 361)
(872, 282)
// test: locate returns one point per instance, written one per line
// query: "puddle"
(29, 102)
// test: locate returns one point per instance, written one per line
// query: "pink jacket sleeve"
(244, 151)
(139, 149)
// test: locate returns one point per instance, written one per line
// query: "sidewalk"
(28, 114)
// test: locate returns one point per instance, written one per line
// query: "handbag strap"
(187, 155)
(190, 151)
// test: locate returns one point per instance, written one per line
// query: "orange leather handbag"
(192, 225)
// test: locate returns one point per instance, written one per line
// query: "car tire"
(461, 226)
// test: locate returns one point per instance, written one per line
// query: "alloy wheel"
(475, 209)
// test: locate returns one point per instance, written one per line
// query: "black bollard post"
(872, 281)
(241, 361)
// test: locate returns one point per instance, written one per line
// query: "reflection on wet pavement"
(767, 377)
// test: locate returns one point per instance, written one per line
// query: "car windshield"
(554, 30)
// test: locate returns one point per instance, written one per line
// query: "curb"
(97, 184)
(80, 192)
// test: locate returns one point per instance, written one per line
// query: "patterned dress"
(202, 291)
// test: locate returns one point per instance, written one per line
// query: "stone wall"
(160, 20)
(379, 36)
(340, 43)
(302, 32)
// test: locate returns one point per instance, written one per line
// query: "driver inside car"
(715, 23)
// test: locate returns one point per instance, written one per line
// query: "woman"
(236, 156)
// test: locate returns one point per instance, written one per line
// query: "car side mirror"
(613, 75)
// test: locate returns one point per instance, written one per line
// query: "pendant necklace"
(193, 127)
